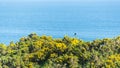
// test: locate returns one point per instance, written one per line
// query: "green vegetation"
(45, 52)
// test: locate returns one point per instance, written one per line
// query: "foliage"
(36, 51)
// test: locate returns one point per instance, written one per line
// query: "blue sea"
(88, 20)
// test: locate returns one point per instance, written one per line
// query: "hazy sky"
(59, 0)
(25, 2)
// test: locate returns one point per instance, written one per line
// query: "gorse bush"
(36, 51)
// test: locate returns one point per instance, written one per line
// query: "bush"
(46, 52)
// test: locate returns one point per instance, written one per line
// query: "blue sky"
(15, 2)
(59, 0)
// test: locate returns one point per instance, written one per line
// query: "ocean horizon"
(89, 21)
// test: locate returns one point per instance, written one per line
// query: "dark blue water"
(88, 20)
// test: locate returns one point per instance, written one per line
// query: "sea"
(88, 20)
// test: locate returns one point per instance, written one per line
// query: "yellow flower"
(38, 43)
(31, 56)
(10, 51)
(53, 55)
(61, 46)
(52, 44)
(75, 42)
(40, 55)
(109, 61)
(30, 65)
(107, 66)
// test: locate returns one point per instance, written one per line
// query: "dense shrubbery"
(45, 52)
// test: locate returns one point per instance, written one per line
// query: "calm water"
(88, 20)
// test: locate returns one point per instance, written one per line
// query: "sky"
(59, 0)
(55, 2)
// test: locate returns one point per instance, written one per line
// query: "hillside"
(36, 51)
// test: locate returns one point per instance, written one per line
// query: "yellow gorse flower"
(109, 61)
(115, 57)
(112, 60)
(31, 56)
(30, 65)
(75, 42)
(107, 66)
(61, 46)
(40, 55)
(38, 43)
(53, 55)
